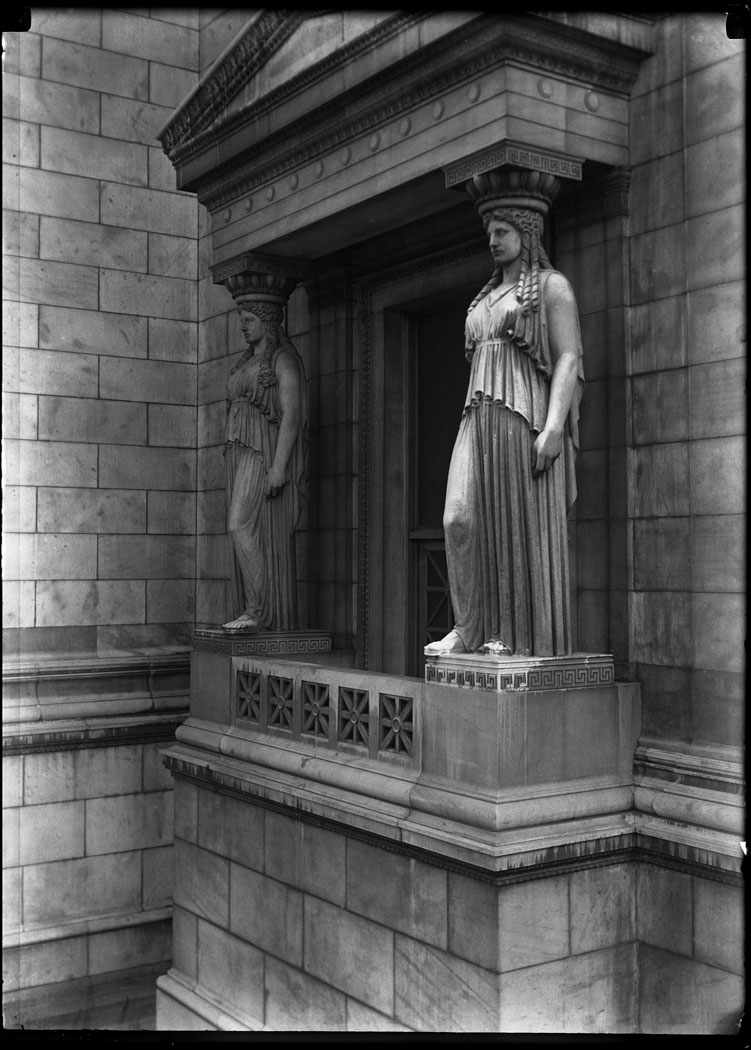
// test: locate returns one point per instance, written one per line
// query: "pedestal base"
(511, 673)
(262, 643)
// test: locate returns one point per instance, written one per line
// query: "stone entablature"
(266, 170)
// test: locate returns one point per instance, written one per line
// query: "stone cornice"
(262, 37)
(92, 732)
(486, 42)
(185, 148)
(55, 703)
(392, 822)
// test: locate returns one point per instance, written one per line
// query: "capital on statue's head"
(513, 188)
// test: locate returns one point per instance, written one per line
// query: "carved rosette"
(256, 279)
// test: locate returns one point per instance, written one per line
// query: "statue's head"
(259, 317)
(521, 198)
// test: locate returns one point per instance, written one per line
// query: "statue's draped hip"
(506, 529)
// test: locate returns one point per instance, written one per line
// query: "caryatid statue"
(512, 482)
(266, 449)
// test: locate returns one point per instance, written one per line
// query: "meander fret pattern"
(527, 678)
(537, 160)
(261, 645)
(368, 722)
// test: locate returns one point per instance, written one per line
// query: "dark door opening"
(440, 376)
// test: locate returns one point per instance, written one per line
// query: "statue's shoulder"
(287, 361)
(557, 288)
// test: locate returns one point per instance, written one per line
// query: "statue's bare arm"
(288, 390)
(565, 347)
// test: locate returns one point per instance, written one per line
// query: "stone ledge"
(20, 938)
(262, 643)
(106, 1001)
(491, 834)
(52, 688)
(72, 734)
(200, 1004)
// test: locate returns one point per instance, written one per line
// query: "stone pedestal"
(361, 852)
(288, 644)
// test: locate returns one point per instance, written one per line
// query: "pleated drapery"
(262, 532)
(506, 530)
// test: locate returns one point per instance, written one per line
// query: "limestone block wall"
(687, 383)
(100, 319)
(421, 948)
(100, 312)
(620, 948)
(590, 249)
(87, 886)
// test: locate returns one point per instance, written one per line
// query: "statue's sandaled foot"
(495, 647)
(452, 643)
(246, 622)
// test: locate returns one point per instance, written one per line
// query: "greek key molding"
(514, 673)
(270, 643)
(486, 42)
(516, 154)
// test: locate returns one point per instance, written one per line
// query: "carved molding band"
(181, 151)
(512, 674)
(261, 39)
(47, 704)
(516, 154)
(270, 643)
(485, 43)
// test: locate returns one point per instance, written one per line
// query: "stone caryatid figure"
(266, 446)
(511, 481)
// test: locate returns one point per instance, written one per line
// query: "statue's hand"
(546, 450)
(275, 482)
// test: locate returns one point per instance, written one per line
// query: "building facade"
(153, 158)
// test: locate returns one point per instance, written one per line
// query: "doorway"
(439, 383)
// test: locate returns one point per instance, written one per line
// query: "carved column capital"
(511, 174)
(509, 154)
(255, 278)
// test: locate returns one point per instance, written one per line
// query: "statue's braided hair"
(533, 257)
(271, 315)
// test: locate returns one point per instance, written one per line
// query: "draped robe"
(262, 532)
(506, 530)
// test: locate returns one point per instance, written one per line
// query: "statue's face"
(505, 242)
(252, 327)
